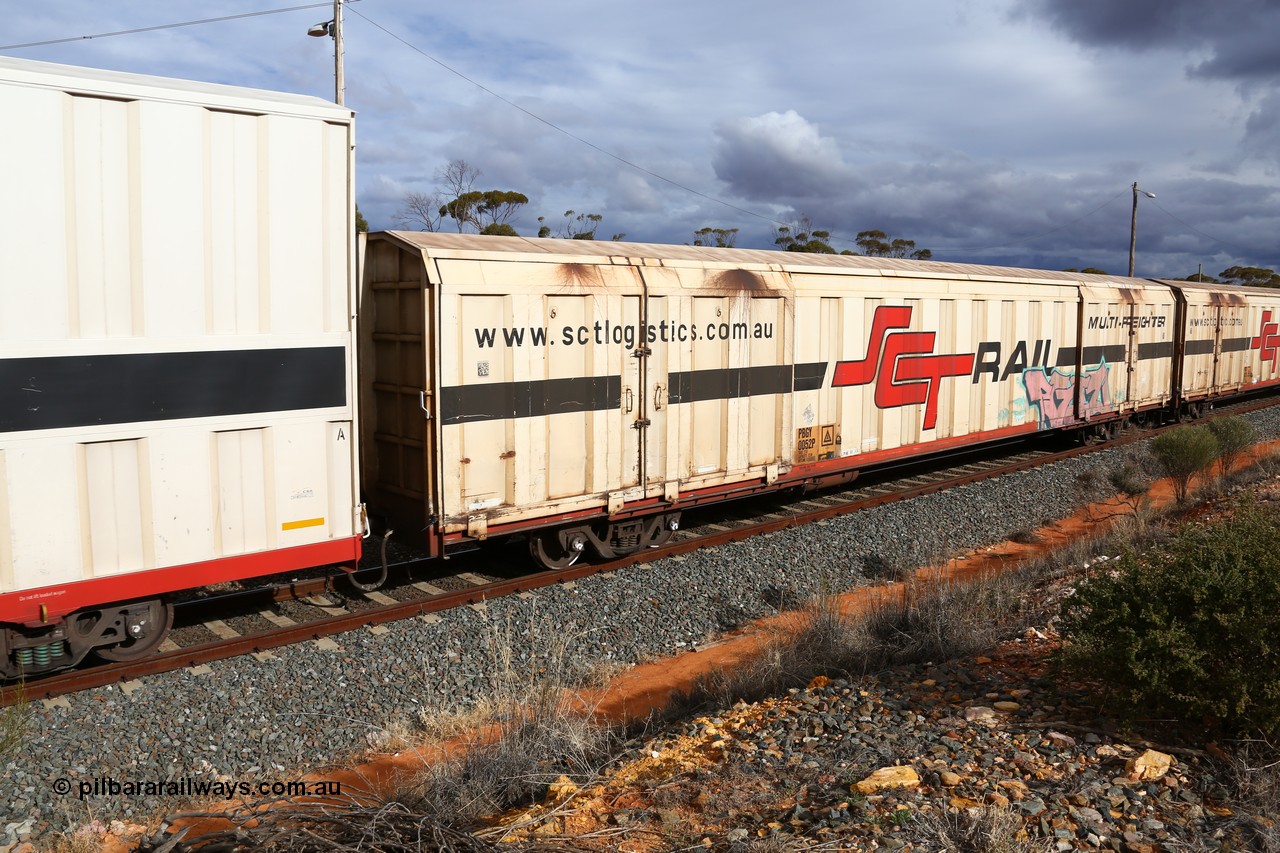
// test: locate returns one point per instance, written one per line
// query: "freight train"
(200, 384)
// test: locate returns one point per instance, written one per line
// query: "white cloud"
(778, 156)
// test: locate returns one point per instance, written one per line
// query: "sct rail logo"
(902, 364)
(1267, 340)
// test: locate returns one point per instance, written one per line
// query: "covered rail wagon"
(585, 393)
(177, 370)
(1229, 341)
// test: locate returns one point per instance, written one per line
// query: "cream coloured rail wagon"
(584, 393)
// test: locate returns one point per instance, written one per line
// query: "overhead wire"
(174, 26)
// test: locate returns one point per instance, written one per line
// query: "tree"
(485, 211)
(362, 224)
(1087, 271)
(423, 211)
(877, 244)
(420, 211)
(454, 181)
(576, 226)
(801, 236)
(722, 238)
(1250, 277)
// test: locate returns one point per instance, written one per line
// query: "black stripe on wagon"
(502, 400)
(1236, 344)
(1112, 354)
(728, 383)
(1158, 349)
(1198, 348)
(55, 392)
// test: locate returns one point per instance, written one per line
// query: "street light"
(1133, 224)
(333, 29)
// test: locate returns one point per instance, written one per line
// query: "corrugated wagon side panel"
(33, 283)
(168, 155)
(46, 542)
(103, 172)
(236, 288)
(536, 381)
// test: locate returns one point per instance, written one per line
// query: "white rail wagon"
(177, 403)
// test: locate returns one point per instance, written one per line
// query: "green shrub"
(1192, 628)
(1234, 436)
(1182, 453)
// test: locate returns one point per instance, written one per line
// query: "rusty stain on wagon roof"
(579, 277)
(739, 279)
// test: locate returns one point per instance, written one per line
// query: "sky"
(988, 131)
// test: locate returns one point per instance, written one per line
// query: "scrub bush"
(1182, 453)
(1191, 629)
(1234, 436)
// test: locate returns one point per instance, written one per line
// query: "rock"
(1087, 815)
(1148, 766)
(1060, 740)
(979, 714)
(898, 776)
(561, 790)
(1017, 790)
(1006, 707)
(997, 800)
(1032, 807)
(949, 779)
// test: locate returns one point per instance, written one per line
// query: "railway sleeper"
(121, 632)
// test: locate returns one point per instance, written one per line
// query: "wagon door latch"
(422, 404)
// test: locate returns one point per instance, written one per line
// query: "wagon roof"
(120, 84)
(443, 245)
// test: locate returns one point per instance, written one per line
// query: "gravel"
(274, 716)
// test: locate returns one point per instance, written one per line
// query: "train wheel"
(552, 551)
(670, 523)
(144, 628)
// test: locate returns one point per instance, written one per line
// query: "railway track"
(254, 621)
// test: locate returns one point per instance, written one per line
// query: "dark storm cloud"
(1229, 40)
(1239, 36)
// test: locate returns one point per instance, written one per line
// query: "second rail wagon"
(584, 393)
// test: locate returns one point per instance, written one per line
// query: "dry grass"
(1253, 777)
(14, 720)
(975, 830)
(926, 619)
